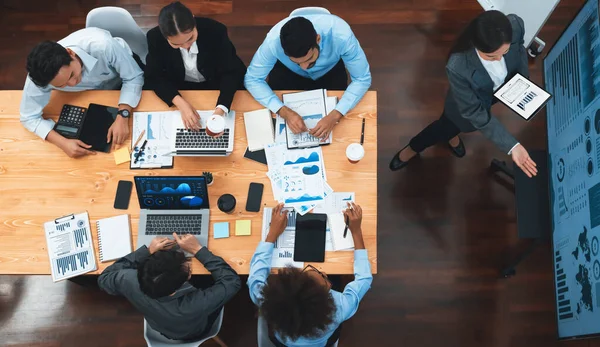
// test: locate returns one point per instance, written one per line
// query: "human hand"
(326, 124)
(523, 160)
(118, 131)
(76, 148)
(279, 219)
(293, 120)
(188, 243)
(189, 116)
(160, 244)
(353, 214)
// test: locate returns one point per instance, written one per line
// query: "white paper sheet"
(302, 180)
(283, 254)
(158, 127)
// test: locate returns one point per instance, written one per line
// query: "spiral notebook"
(114, 237)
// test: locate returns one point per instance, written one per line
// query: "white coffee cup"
(215, 126)
(355, 152)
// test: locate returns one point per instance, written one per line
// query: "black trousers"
(282, 78)
(441, 130)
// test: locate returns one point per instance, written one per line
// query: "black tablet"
(98, 120)
(522, 96)
(309, 244)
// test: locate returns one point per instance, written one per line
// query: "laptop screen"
(172, 192)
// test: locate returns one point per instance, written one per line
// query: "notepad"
(337, 224)
(259, 129)
(114, 237)
(122, 155)
(243, 228)
(221, 230)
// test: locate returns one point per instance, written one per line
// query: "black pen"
(362, 133)
(346, 228)
(138, 154)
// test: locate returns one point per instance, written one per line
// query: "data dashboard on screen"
(572, 76)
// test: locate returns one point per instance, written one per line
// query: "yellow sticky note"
(122, 155)
(242, 228)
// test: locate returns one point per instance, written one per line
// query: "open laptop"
(197, 143)
(172, 204)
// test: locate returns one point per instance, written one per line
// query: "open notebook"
(114, 237)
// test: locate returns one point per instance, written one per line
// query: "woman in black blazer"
(191, 53)
(488, 53)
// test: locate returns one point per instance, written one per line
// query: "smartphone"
(123, 195)
(254, 197)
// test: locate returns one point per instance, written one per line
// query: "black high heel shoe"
(458, 151)
(397, 164)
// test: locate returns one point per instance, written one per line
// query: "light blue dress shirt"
(346, 303)
(337, 42)
(107, 64)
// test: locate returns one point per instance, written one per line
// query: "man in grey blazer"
(488, 53)
(155, 280)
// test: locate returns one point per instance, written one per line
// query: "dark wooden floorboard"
(445, 226)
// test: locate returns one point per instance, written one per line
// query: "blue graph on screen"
(182, 188)
(572, 76)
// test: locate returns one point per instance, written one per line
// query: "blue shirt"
(107, 64)
(346, 303)
(337, 42)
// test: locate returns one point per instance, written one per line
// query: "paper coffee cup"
(355, 152)
(215, 126)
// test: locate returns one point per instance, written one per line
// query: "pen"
(138, 154)
(362, 133)
(346, 228)
(139, 139)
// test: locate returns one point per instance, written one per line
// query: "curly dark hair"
(162, 273)
(295, 305)
(44, 62)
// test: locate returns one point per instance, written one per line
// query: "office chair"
(306, 11)
(262, 331)
(155, 339)
(121, 24)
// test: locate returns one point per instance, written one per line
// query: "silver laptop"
(172, 204)
(197, 143)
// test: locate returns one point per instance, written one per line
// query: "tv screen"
(572, 76)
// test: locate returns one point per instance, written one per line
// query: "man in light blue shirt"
(87, 59)
(302, 53)
(299, 306)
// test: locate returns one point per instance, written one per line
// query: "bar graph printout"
(70, 246)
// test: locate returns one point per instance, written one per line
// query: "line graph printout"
(312, 107)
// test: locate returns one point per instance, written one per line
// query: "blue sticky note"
(221, 230)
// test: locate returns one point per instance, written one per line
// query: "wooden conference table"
(40, 183)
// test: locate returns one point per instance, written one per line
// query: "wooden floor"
(445, 226)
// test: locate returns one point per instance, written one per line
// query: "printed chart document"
(281, 128)
(159, 130)
(283, 254)
(311, 106)
(522, 96)
(70, 246)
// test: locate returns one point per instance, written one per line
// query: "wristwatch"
(124, 113)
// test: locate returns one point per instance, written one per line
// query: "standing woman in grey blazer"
(489, 52)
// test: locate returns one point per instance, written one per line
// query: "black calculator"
(70, 121)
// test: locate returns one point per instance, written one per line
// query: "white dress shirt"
(107, 64)
(190, 63)
(498, 72)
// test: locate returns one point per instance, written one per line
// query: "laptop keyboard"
(187, 138)
(168, 224)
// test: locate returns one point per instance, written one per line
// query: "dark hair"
(162, 273)
(295, 305)
(487, 32)
(175, 18)
(297, 37)
(45, 60)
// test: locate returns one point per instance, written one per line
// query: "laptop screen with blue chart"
(172, 192)
(572, 75)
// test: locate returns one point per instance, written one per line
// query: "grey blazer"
(469, 100)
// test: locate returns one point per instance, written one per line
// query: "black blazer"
(471, 95)
(217, 62)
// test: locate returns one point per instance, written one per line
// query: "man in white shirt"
(87, 59)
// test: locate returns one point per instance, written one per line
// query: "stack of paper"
(158, 126)
(259, 129)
